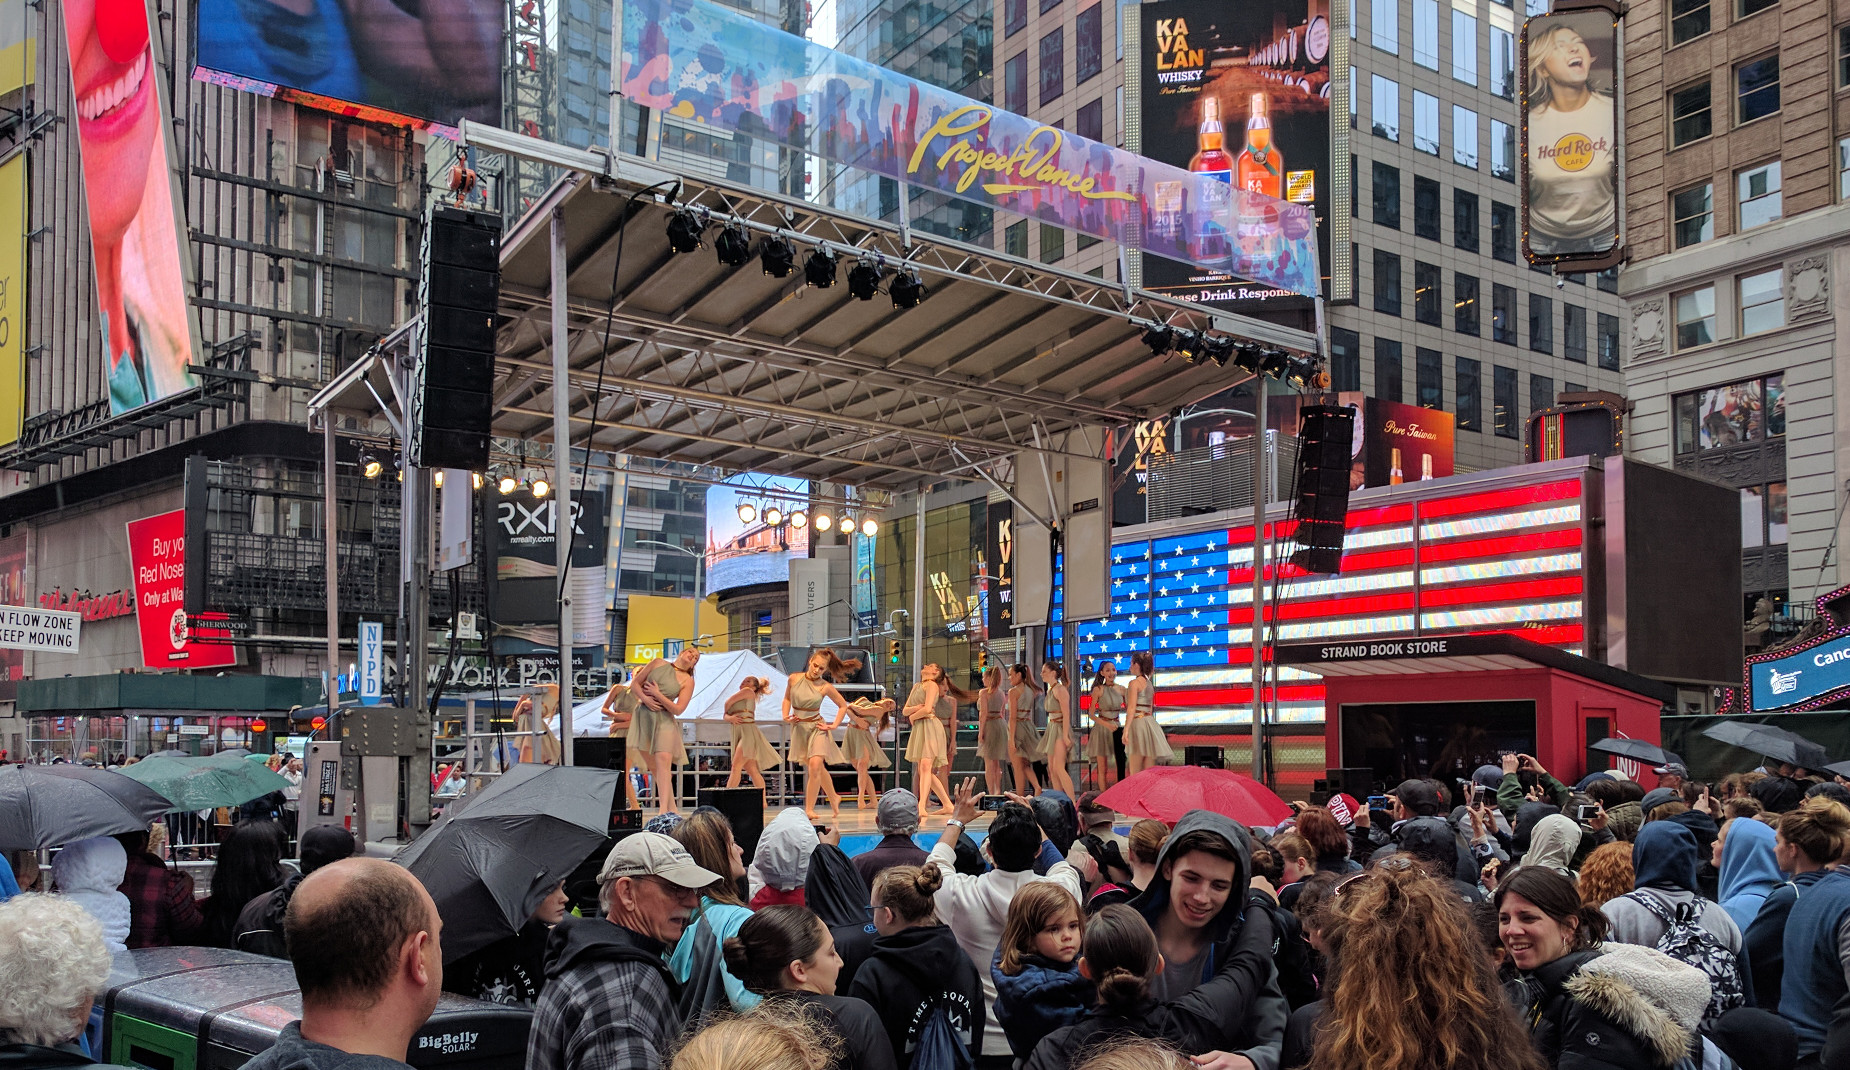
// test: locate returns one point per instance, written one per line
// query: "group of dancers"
(646, 712)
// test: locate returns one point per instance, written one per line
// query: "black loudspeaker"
(451, 403)
(1206, 757)
(1358, 784)
(1325, 438)
(743, 807)
(607, 752)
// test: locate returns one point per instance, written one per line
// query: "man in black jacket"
(260, 923)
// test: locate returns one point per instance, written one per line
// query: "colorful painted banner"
(708, 64)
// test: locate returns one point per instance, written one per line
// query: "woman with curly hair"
(1606, 874)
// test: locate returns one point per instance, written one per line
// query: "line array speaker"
(451, 404)
(1324, 442)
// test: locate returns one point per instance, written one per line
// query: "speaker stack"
(451, 403)
(1324, 441)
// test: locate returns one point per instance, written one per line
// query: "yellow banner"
(654, 619)
(18, 46)
(12, 297)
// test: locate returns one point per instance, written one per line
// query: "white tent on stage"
(716, 678)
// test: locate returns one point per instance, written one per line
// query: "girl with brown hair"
(1108, 701)
(1606, 874)
(927, 749)
(788, 956)
(662, 690)
(1058, 739)
(1810, 840)
(752, 754)
(861, 746)
(1036, 967)
(992, 733)
(1145, 744)
(1025, 746)
(707, 836)
(810, 741)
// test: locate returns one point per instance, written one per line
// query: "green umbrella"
(203, 783)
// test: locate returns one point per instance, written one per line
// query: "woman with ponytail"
(752, 754)
(992, 732)
(1145, 744)
(917, 978)
(811, 745)
(1059, 737)
(1025, 746)
(1108, 701)
(787, 955)
(928, 748)
(1810, 840)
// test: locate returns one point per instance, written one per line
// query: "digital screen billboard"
(438, 61)
(741, 552)
(1240, 92)
(1570, 146)
(122, 124)
(1397, 443)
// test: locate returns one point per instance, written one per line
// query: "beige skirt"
(926, 743)
(858, 743)
(994, 746)
(1028, 743)
(749, 745)
(1144, 738)
(1098, 741)
(809, 738)
(1055, 733)
(655, 732)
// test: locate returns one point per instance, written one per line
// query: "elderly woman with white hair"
(55, 965)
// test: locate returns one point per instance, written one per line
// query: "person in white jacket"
(89, 873)
(975, 907)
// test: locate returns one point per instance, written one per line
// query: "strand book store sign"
(39, 629)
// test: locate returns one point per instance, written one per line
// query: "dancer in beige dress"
(861, 745)
(620, 710)
(752, 754)
(524, 728)
(992, 733)
(663, 689)
(1108, 700)
(810, 742)
(1024, 739)
(927, 748)
(1058, 739)
(1145, 744)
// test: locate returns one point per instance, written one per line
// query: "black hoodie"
(293, 1051)
(913, 971)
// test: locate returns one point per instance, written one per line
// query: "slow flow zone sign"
(39, 629)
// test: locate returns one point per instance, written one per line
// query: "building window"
(1764, 519)
(1689, 19)
(1053, 243)
(1468, 404)
(1345, 359)
(1692, 215)
(1730, 415)
(1695, 313)
(1354, 104)
(1609, 342)
(1387, 369)
(1608, 280)
(1088, 44)
(1843, 56)
(1464, 304)
(1383, 21)
(1015, 83)
(1503, 63)
(1754, 7)
(1385, 107)
(1387, 282)
(1464, 220)
(1502, 150)
(1502, 313)
(1014, 16)
(1574, 333)
(1762, 300)
(1756, 194)
(1015, 239)
(1464, 47)
(1053, 65)
(1503, 232)
(1689, 114)
(1503, 403)
(1464, 137)
(1387, 195)
(1428, 378)
(1756, 89)
(1426, 33)
(1541, 323)
(1426, 294)
(1843, 168)
(1049, 5)
(1541, 393)
(1425, 208)
(1426, 122)
(1089, 121)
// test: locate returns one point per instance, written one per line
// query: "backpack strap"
(1658, 908)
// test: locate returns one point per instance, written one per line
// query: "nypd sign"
(1800, 677)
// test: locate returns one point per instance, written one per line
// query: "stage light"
(1218, 348)
(371, 465)
(1160, 340)
(799, 519)
(773, 517)
(732, 246)
(870, 527)
(1302, 374)
(819, 269)
(906, 289)
(1246, 357)
(438, 478)
(747, 512)
(475, 480)
(1274, 362)
(777, 257)
(541, 488)
(1189, 347)
(864, 280)
(507, 484)
(684, 230)
(824, 521)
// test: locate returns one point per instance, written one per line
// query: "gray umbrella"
(490, 863)
(1839, 768)
(1775, 743)
(47, 805)
(1649, 753)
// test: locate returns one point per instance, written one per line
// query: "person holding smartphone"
(1512, 793)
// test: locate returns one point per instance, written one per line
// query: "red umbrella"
(1166, 792)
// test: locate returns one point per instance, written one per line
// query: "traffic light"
(892, 652)
(982, 659)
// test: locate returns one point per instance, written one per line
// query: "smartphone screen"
(1377, 802)
(992, 802)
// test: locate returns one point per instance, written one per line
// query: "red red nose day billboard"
(157, 554)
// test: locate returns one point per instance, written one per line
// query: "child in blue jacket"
(1036, 968)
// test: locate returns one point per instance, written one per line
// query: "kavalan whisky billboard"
(1240, 92)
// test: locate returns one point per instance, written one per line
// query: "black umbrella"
(1648, 753)
(1839, 768)
(1775, 743)
(47, 805)
(490, 862)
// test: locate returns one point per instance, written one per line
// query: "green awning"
(69, 695)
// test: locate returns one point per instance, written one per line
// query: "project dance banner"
(705, 63)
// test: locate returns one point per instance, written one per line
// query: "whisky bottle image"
(1210, 139)
(1259, 164)
(1395, 476)
(1425, 466)
(1208, 233)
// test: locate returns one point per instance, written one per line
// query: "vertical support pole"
(563, 528)
(330, 540)
(419, 479)
(917, 612)
(1259, 503)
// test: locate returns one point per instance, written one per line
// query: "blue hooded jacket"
(1040, 999)
(1664, 856)
(1750, 871)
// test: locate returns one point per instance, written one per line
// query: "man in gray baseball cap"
(609, 1002)
(897, 819)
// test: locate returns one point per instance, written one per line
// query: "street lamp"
(698, 570)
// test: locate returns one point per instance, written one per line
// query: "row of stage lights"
(778, 258)
(373, 464)
(802, 518)
(1195, 347)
